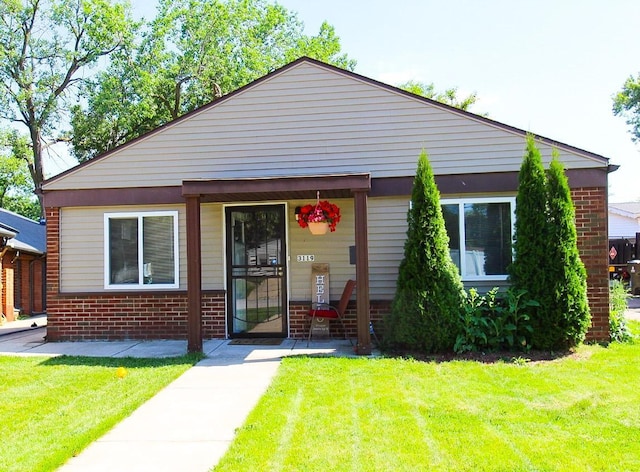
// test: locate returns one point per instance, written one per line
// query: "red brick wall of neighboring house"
(591, 224)
(163, 315)
(29, 274)
(8, 287)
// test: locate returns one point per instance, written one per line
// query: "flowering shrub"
(321, 211)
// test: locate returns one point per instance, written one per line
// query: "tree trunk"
(35, 168)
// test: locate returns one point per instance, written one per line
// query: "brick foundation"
(130, 316)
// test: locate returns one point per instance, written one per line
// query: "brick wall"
(113, 316)
(591, 225)
(300, 322)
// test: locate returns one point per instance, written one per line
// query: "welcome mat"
(256, 341)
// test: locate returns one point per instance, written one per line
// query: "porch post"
(363, 345)
(194, 276)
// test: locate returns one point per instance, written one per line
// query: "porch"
(200, 191)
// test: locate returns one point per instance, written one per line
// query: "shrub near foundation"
(491, 323)
(425, 311)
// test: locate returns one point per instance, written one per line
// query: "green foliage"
(45, 46)
(530, 240)
(448, 97)
(425, 310)
(618, 329)
(16, 186)
(491, 323)
(626, 103)
(567, 317)
(546, 260)
(576, 413)
(192, 53)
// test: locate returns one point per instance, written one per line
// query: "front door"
(256, 271)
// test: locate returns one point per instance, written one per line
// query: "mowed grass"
(326, 414)
(52, 408)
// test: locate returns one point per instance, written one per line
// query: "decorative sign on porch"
(320, 294)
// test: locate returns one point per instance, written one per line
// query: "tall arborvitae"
(567, 318)
(531, 239)
(425, 310)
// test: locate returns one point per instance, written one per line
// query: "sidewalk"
(188, 425)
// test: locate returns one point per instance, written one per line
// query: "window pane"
(451, 214)
(158, 249)
(487, 238)
(123, 251)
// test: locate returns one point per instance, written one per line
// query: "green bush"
(618, 329)
(531, 240)
(546, 259)
(490, 322)
(425, 310)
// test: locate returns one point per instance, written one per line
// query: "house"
(624, 220)
(190, 230)
(624, 237)
(22, 263)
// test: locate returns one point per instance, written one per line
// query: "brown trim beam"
(363, 318)
(113, 196)
(302, 184)
(492, 182)
(194, 276)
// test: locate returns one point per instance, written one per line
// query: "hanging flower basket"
(320, 217)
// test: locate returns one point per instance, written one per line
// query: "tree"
(531, 240)
(16, 186)
(426, 308)
(448, 97)
(193, 52)
(626, 103)
(546, 261)
(568, 316)
(44, 47)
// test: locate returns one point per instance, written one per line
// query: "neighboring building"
(190, 230)
(624, 238)
(624, 220)
(22, 262)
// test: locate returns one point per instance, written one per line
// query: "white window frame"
(140, 215)
(461, 225)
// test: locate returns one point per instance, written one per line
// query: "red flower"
(321, 211)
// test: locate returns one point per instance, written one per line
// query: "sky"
(550, 67)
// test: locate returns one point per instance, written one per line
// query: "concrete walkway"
(188, 425)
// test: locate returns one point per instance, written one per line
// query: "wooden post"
(194, 276)
(363, 345)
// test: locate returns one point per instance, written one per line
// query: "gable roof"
(628, 209)
(222, 103)
(30, 236)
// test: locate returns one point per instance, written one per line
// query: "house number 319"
(306, 258)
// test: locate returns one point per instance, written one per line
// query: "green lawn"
(578, 413)
(52, 408)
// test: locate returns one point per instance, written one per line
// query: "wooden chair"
(329, 312)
